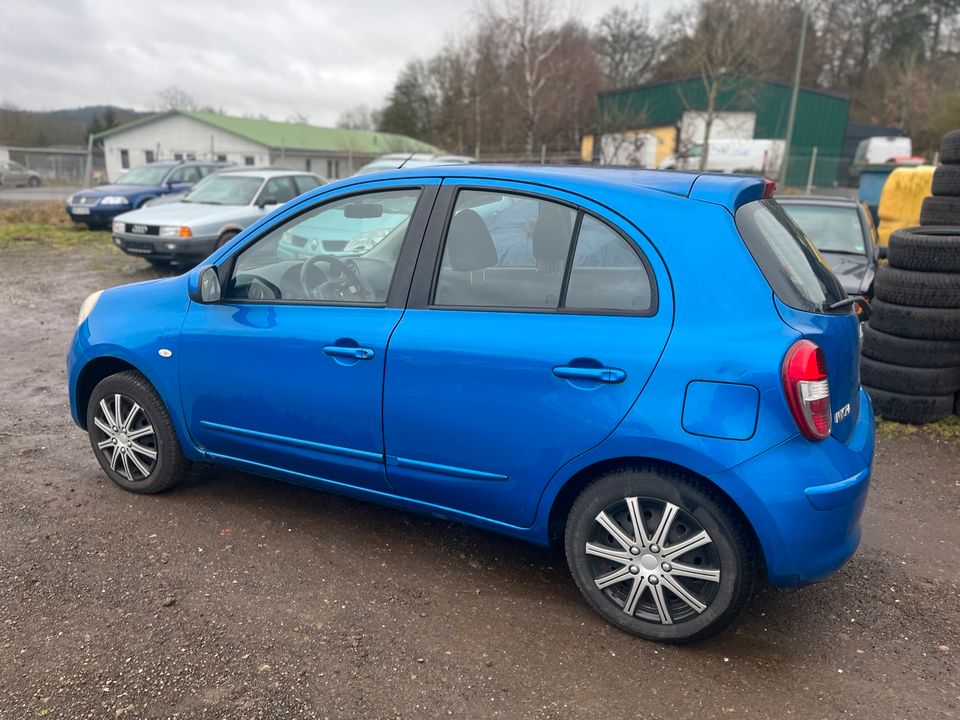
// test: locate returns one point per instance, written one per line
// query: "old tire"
(910, 408)
(950, 148)
(909, 380)
(932, 249)
(647, 573)
(946, 181)
(910, 351)
(132, 435)
(910, 322)
(919, 289)
(940, 211)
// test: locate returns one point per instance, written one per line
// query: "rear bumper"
(157, 248)
(805, 499)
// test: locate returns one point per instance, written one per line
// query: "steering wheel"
(344, 282)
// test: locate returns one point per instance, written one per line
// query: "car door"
(534, 322)
(285, 373)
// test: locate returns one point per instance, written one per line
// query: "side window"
(505, 251)
(343, 252)
(188, 174)
(607, 274)
(306, 182)
(279, 190)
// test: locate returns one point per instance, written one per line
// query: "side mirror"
(208, 286)
(881, 252)
(264, 201)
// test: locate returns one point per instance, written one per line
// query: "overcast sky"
(277, 57)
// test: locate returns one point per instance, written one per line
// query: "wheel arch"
(571, 489)
(92, 373)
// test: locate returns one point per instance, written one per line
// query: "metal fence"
(56, 165)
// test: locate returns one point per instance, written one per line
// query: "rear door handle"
(353, 353)
(601, 374)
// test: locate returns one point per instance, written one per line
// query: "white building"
(185, 135)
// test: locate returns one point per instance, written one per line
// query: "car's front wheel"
(34, 181)
(658, 555)
(132, 435)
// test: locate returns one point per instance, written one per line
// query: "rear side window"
(607, 274)
(791, 264)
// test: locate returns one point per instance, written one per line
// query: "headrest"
(551, 234)
(469, 245)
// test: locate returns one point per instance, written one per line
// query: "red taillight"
(807, 388)
(769, 186)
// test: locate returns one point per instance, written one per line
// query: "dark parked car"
(98, 206)
(842, 229)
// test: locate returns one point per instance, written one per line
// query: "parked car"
(682, 417)
(98, 206)
(394, 161)
(13, 173)
(873, 151)
(733, 155)
(212, 213)
(842, 229)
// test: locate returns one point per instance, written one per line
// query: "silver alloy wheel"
(654, 560)
(126, 438)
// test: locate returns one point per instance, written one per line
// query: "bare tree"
(626, 46)
(359, 117)
(174, 98)
(532, 39)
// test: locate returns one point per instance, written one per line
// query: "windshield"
(831, 228)
(791, 264)
(225, 190)
(144, 175)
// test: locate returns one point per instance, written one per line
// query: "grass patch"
(44, 222)
(947, 429)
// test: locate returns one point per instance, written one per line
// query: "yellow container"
(901, 198)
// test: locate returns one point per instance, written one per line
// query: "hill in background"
(29, 128)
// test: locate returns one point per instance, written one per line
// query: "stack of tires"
(911, 345)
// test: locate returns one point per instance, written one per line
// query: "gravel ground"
(234, 596)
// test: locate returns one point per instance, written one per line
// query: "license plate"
(80, 210)
(139, 229)
(138, 248)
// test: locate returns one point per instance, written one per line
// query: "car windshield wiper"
(842, 252)
(843, 303)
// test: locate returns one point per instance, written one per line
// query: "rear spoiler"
(731, 191)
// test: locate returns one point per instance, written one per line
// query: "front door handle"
(600, 374)
(353, 353)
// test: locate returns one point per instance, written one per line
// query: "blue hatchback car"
(655, 370)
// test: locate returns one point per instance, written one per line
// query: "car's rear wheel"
(34, 181)
(132, 435)
(658, 555)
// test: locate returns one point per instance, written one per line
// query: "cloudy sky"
(277, 57)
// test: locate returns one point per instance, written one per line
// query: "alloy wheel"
(653, 560)
(125, 437)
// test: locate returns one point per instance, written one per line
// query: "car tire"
(932, 249)
(910, 322)
(127, 460)
(940, 211)
(919, 289)
(33, 181)
(950, 148)
(946, 181)
(643, 572)
(909, 380)
(909, 351)
(915, 409)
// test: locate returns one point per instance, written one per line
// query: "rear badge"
(841, 413)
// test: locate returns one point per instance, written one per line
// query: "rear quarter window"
(796, 271)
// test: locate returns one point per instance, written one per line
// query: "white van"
(880, 150)
(760, 157)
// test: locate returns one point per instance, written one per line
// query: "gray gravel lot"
(238, 597)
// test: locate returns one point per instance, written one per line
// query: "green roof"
(295, 136)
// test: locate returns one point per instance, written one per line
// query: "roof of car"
(731, 191)
(818, 200)
(264, 172)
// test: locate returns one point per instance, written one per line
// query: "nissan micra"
(655, 370)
